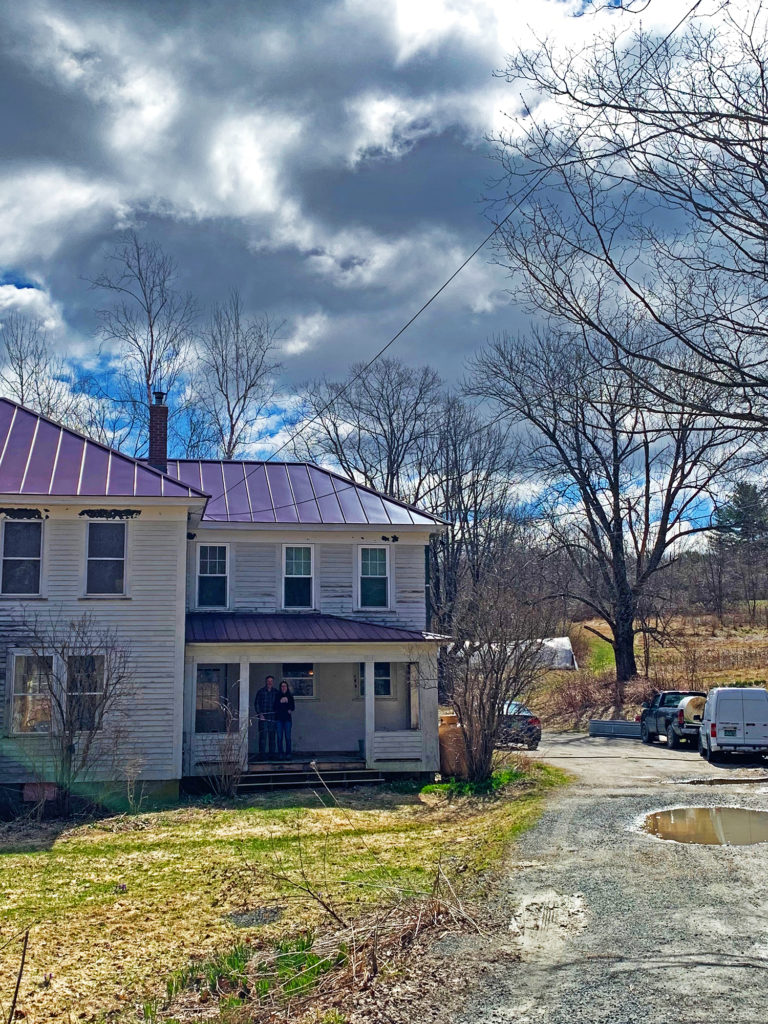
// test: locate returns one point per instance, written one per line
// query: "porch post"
(370, 712)
(245, 705)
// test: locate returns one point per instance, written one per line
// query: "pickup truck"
(664, 717)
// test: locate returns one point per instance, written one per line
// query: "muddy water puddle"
(709, 826)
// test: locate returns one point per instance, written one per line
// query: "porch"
(364, 708)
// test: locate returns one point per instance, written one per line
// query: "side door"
(756, 717)
(660, 716)
(729, 712)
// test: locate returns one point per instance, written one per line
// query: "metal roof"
(253, 628)
(291, 492)
(40, 457)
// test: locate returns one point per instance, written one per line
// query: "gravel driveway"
(597, 922)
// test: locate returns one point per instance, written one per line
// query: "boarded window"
(212, 576)
(382, 679)
(106, 558)
(374, 584)
(297, 581)
(300, 677)
(31, 697)
(218, 698)
(22, 548)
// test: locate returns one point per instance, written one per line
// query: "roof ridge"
(99, 444)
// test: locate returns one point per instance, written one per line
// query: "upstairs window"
(374, 578)
(382, 679)
(212, 576)
(31, 697)
(22, 551)
(85, 691)
(297, 578)
(106, 559)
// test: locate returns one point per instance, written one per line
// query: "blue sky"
(329, 159)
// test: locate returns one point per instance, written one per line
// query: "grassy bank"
(118, 905)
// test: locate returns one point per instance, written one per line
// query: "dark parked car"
(519, 725)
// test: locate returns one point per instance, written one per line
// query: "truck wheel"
(645, 735)
(710, 753)
(702, 748)
(672, 741)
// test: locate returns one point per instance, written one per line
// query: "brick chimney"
(158, 432)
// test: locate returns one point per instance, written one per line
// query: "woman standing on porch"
(284, 706)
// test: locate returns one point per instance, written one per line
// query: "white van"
(735, 720)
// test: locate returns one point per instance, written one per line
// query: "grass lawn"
(118, 904)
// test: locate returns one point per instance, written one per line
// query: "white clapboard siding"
(335, 570)
(149, 622)
(403, 745)
(255, 586)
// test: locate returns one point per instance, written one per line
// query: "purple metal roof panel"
(327, 502)
(374, 506)
(16, 455)
(95, 466)
(122, 473)
(303, 492)
(42, 459)
(262, 508)
(282, 495)
(66, 475)
(213, 484)
(235, 627)
(351, 507)
(236, 492)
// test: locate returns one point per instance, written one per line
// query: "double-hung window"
(382, 679)
(300, 677)
(85, 691)
(297, 577)
(374, 578)
(31, 696)
(105, 573)
(212, 576)
(22, 555)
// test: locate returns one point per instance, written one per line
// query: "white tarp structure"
(557, 652)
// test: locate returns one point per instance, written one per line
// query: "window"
(31, 697)
(218, 698)
(374, 588)
(106, 559)
(297, 583)
(22, 544)
(300, 678)
(85, 691)
(382, 679)
(212, 576)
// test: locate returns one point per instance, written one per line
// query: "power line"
(538, 179)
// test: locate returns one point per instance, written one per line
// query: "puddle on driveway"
(709, 826)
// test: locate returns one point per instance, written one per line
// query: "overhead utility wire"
(539, 177)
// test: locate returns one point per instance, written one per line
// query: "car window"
(671, 700)
(515, 708)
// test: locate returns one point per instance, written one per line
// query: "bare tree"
(34, 375)
(233, 382)
(653, 200)
(147, 330)
(75, 688)
(496, 657)
(376, 425)
(624, 484)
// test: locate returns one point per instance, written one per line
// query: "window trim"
(39, 592)
(359, 580)
(228, 556)
(360, 680)
(284, 675)
(297, 607)
(234, 711)
(11, 654)
(125, 592)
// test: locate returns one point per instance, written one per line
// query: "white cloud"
(307, 332)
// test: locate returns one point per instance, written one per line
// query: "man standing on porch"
(265, 715)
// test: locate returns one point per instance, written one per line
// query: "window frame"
(229, 684)
(74, 653)
(31, 594)
(311, 578)
(359, 575)
(361, 681)
(228, 562)
(126, 534)
(12, 654)
(288, 677)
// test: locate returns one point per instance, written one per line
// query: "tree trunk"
(624, 652)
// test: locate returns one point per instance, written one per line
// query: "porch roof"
(254, 628)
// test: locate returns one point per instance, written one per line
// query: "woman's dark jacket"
(283, 711)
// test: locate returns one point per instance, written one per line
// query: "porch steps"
(264, 779)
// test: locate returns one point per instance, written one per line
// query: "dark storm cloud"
(328, 159)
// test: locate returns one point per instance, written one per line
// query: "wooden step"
(255, 782)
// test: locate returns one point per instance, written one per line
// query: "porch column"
(370, 711)
(190, 702)
(245, 705)
(428, 707)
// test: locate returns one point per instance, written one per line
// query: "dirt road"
(603, 923)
